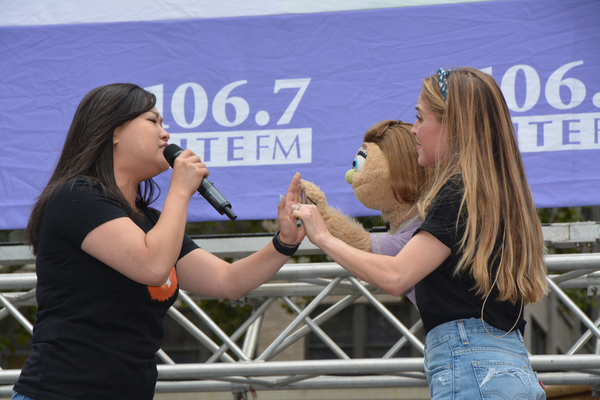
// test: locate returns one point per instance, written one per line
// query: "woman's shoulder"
(453, 187)
(455, 182)
(78, 183)
(80, 186)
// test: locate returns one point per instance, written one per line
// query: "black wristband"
(285, 250)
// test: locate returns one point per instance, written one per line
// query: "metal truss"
(242, 370)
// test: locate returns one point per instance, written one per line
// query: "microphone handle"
(206, 189)
(215, 198)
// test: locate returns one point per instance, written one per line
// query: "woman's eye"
(359, 161)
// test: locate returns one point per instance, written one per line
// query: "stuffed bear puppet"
(385, 176)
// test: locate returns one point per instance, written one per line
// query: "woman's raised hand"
(312, 221)
(290, 233)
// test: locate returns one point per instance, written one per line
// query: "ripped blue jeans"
(463, 361)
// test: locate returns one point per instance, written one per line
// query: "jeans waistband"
(461, 329)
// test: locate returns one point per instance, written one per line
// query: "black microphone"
(206, 189)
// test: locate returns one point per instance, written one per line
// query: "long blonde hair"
(481, 145)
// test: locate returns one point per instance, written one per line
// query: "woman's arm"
(421, 255)
(203, 273)
(148, 258)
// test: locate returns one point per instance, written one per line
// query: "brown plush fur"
(373, 188)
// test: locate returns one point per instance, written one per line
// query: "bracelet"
(283, 249)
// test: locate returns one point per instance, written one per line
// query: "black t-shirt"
(97, 331)
(442, 296)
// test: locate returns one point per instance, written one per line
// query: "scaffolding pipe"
(256, 315)
(291, 272)
(348, 367)
(15, 313)
(320, 280)
(213, 327)
(573, 307)
(317, 330)
(313, 304)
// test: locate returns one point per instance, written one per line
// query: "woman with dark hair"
(109, 266)
(477, 259)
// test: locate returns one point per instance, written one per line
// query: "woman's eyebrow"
(157, 115)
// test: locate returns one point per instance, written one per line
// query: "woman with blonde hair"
(477, 259)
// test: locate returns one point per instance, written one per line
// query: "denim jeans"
(19, 396)
(464, 361)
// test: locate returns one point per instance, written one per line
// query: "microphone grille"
(171, 152)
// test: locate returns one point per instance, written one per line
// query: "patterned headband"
(443, 83)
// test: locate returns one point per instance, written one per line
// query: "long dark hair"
(88, 149)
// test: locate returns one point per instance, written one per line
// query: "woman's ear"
(117, 133)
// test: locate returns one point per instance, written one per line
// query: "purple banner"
(259, 98)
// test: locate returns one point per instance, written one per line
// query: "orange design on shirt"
(164, 292)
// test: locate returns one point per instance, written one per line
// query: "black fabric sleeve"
(188, 246)
(442, 219)
(152, 216)
(79, 206)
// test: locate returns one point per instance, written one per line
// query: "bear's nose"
(349, 175)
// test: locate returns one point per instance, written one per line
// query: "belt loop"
(462, 331)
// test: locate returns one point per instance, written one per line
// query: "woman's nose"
(164, 134)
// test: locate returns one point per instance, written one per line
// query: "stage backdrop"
(259, 98)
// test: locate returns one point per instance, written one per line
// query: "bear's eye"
(359, 161)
